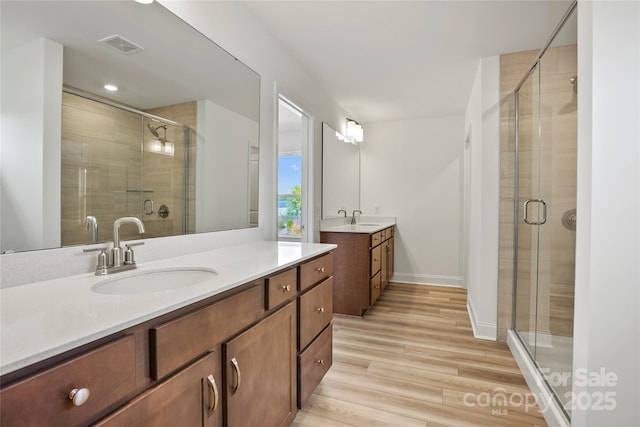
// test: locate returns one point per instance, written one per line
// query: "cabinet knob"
(377, 287)
(320, 309)
(286, 288)
(79, 396)
(320, 361)
(320, 269)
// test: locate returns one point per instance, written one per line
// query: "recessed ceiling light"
(144, 1)
(111, 88)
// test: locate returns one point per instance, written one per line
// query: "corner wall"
(607, 296)
(482, 184)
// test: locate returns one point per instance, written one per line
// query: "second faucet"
(353, 216)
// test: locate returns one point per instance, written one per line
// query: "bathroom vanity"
(246, 346)
(364, 263)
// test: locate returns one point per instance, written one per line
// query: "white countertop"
(369, 224)
(44, 319)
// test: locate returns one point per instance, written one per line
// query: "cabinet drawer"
(177, 342)
(376, 283)
(313, 364)
(312, 272)
(316, 311)
(108, 372)
(281, 287)
(376, 238)
(376, 257)
(185, 399)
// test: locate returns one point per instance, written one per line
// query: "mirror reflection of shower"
(572, 105)
(161, 145)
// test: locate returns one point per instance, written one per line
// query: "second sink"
(151, 281)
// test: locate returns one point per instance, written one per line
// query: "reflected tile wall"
(102, 172)
(98, 144)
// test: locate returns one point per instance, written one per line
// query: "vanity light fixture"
(110, 87)
(355, 133)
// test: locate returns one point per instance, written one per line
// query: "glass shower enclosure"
(546, 149)
(120, 162)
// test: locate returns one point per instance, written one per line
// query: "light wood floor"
(413, 361)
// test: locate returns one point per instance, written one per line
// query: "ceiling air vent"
(121, 44)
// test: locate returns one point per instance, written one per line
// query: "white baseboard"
(428, 279)
(482, 330)
(549, 406)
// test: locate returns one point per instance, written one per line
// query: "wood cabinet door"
(391, 256)
(376, 259)
(384, 265)
(192, 397)
(260, 373)
(375, 287)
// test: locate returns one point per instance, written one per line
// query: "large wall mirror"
(340, 174)
(175, 145)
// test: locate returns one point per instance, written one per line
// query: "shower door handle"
(147, 207)
(526, 212)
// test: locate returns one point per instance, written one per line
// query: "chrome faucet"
(119, 259)
(353, 216)
(343, 211)
(117, 252)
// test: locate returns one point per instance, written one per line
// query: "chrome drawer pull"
(211, 382)
(320, 269)
(286, 288)
(320, 361)
(236, 367)
(79, 396)
(320, 309)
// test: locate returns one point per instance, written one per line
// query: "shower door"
(117, 162)
(546, 217)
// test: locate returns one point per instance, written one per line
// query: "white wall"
(223, 140)
(607, 295)
(31, 134)
(412, 170)
(482, 197)
(340, 175)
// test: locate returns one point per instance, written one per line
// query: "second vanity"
(246, 346)
(364, 261)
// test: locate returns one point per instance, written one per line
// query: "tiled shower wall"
(102, 170)
(558, 180)
(166, 174)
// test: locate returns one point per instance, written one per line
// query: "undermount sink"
(151, 281)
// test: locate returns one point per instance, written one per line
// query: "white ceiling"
(393, 60)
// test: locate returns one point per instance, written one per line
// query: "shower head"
(154, 130)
